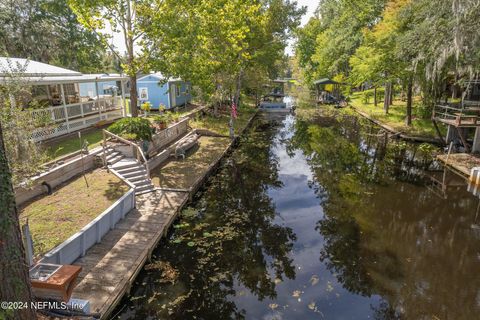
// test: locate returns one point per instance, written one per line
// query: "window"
(177, 90)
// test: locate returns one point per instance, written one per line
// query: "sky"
(310, 4)
(311, 7)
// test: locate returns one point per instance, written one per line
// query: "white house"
(71, 99)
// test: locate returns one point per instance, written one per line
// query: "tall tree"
(48, 31)
(122, 16)
(216, 43)
(14, 277)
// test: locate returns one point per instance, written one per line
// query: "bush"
(132, 129)
(161, 118)
(424, 111)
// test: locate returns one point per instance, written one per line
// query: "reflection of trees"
(384, 233)
(228, 236)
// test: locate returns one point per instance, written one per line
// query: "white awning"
(37, 73)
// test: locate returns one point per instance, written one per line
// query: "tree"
(122, 16)
(14, 277)
(25, 155)
(215, 44)
(48, 31)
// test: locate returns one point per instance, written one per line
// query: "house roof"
(325, 81)
(39, 73)
(160, 77)
(32, 68)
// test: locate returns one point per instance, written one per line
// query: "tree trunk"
(392, 92)
(409, 101)
(14, 277)
(386, 98)
(375, 102)
(132, 69)
(236, 99)
(133, 96)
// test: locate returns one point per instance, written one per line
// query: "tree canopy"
(215, 43)
(403, 42)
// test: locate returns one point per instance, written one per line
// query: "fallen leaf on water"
(273, 306)
(296, 293)
(277, 280)
(314, 279)
(311, 305)
(329, 287)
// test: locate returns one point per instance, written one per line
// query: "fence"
(73, 117)
(78, 244)
(164, 137)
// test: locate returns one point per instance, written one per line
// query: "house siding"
(180, 100)
(160, 93)
(157, 92)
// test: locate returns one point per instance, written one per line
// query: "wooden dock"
(110, 267)
(462, 163)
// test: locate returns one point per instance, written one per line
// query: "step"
(125, 163)
(144, 189)
(134, 173)
(112, 154)
(129, 170)
(139, 177)
(142, 182)
(114, 160)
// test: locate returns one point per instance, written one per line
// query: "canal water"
(322, 218)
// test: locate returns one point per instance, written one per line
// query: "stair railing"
(137, 150)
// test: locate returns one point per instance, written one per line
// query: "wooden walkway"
(110, 267)
(461, 163)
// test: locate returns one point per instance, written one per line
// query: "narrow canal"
(317, 219)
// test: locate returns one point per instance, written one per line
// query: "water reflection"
(227, 237)
(321, 219)
(385, 233)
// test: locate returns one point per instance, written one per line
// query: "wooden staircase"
(129, 169)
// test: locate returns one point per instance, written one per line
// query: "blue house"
(154, 89)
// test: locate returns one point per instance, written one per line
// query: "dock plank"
(110, 266)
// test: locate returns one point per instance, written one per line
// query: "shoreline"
(111, 266)
(421, 139)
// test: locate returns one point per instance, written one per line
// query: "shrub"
(161, 118)
(132, 129)
(424, 111)
(175, 117)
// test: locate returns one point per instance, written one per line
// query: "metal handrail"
(134, 145)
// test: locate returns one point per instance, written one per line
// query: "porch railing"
(72, 117)
(81, 109)
(458, 116)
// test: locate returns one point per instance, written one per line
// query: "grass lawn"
(71, 144)
(181, 174)
(220, 124)
(56, 217)
(397, 115)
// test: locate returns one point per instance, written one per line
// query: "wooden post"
(124, 103)
(98, 100)
(27, 241)
(65, 110)
(476, 141)
(464, 139)
(440, 137)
